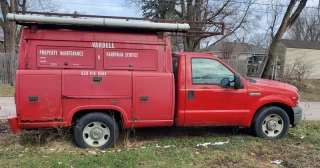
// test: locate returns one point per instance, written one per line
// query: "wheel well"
(116, 115)
(285, 107)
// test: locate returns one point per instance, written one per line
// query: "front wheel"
(96, 130)
(271, 123)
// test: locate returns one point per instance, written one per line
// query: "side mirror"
(237, 81)
(225, 82)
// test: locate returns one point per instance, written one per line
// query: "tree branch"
(4, 8)
(178, 13)
(19, 3)
(13, 6)
(273, 24)
(286, 17)
(296, 14)
(219, 11)
(183, 8)
(240, 23)
(1, 23)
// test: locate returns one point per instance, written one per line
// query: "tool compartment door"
(152, 96)
(41, 94)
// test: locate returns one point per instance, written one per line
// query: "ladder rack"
(115, 23)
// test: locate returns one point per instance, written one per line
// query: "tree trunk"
(187, 40)
(10, 30)
(9, 37)
(171, 8)
(288, 20)
(270, 59)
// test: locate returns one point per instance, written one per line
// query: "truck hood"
(273, 84)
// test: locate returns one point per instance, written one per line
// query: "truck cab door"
(207, 102)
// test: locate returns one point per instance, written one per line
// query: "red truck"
(101, 81)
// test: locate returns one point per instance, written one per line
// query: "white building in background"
(309, 52)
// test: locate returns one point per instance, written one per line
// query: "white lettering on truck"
(62, 53)
(93, 73)
(48, 52)
(114, 54)
(135, 55)
(121, 54)
(102, 45)
(71, 53)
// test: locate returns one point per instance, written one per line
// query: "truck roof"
(195, 53)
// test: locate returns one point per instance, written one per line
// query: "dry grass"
(6, 90)
(30, 149)
(311, 91)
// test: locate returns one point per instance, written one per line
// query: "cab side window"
(209, 71)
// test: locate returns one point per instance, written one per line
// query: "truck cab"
(210, 92)
(98, 80)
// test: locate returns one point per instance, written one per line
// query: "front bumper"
(297, 115)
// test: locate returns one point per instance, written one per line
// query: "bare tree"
(259, 39)
(291, 15)
(11, 31)
(307, 26)
(227, 49)
(198, 10)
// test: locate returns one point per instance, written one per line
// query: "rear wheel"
(96, 130)
(270, 123)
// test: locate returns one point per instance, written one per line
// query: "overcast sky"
(115, 7)
(100, 7)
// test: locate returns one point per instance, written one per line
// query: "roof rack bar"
(119, 17)
(97, 22)
(113, 23)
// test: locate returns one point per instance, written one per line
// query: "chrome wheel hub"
(96, 134)
(272, 125)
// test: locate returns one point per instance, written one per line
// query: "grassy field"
(6, 91)
(153, 147)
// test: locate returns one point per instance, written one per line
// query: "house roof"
(301, 44)
(237, 47)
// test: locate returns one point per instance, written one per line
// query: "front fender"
(253, 106)
(98, 107)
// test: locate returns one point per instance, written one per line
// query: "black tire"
(103, 122)
(266, 123)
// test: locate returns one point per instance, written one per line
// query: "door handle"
(144, 98)
(33, 98)
(190, 95)
(96, 79)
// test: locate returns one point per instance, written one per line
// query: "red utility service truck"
(98, 75)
